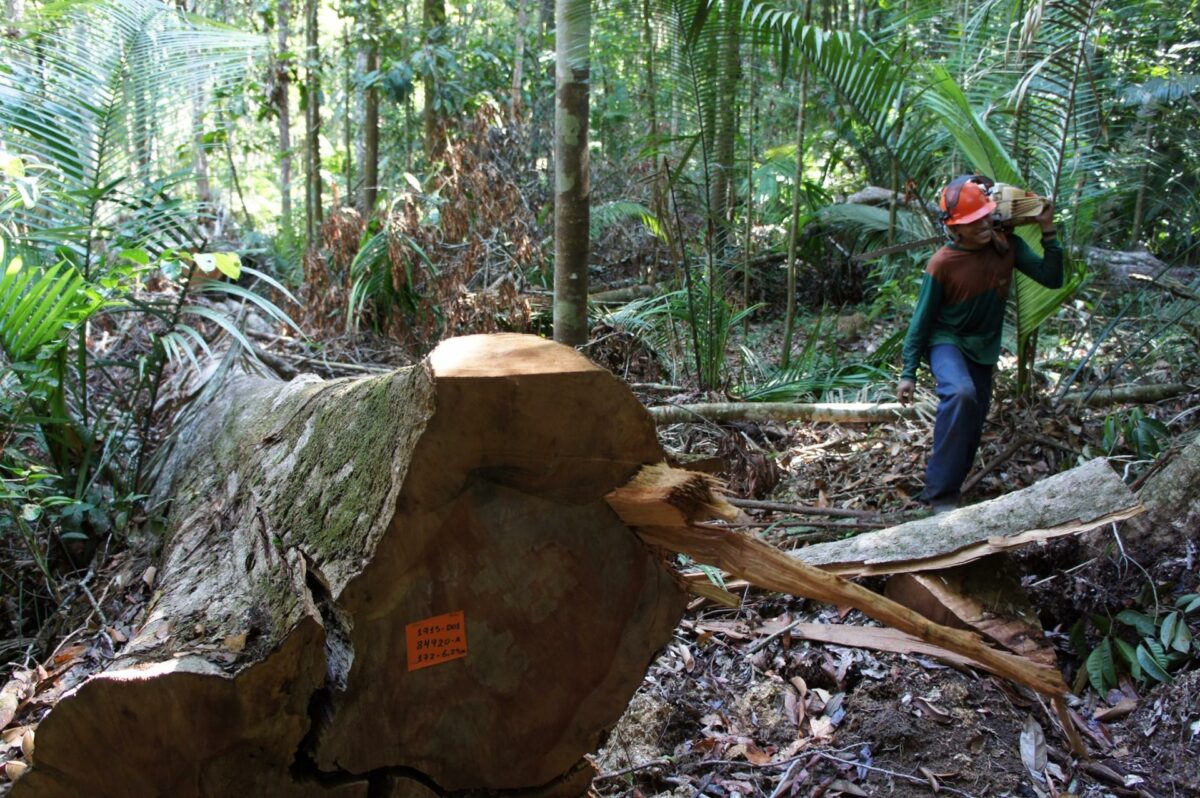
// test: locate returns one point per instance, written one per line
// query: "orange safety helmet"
(966, 199)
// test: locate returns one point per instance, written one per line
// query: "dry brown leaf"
(1033, 748)
(27, 744)
(149, 575)
(69, 654)
(821, 728)
(15, 769)
(933, 711)
(847, 788)
(756, 755)
(1119, 710)
(8, 707)
(933, 782)
(793, 708)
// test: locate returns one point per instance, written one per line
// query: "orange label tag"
(436, 640)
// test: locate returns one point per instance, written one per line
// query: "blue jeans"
(964, 390)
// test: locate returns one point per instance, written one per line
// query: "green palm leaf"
(39, 308)
(102, 91)
(873, 84)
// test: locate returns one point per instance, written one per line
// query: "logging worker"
(957, 323)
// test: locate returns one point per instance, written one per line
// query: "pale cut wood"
(1074, 501)
(876, 638)
(765, 566)
(985, 595)
(831, 412)
(312, 522)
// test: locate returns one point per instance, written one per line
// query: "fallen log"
(832, 412)
(1129, 394)
(400, 584)
(1172, 519)
(880, 412)
(1074, 501)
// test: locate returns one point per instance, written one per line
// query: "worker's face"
(973, 235)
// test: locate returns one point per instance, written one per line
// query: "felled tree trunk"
(402, 584)
(1172, 519)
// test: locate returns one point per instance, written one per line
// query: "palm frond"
(38, 307)
(870, 225)
(873, 85)
(101, 91)
(607, 214)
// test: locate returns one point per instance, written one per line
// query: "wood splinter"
(663, 504)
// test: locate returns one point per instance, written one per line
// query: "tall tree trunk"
(435, 33)
(203, 186)
(789, 321)
(14, 12)
(518, 73)
(348, 117)
(747, 242)
(723, 155)
(543, 127)
(312, 123)
(571, 190)
(370, 159)
(283, 83)
(658, 191)
(361, 70)
(1139, 206)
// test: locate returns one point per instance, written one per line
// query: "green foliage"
(1162, 643)
(94, 96)
(608, 214)
(1141, 434)
(810, 374)
(686, 326)
(378, 281)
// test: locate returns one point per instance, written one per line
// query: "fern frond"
(608, 214)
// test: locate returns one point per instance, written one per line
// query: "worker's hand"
(1046, 218)
(904, 390)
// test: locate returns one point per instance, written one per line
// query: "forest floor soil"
(734, 708)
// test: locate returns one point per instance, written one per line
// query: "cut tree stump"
(401, 585)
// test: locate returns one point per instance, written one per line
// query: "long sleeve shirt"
(963, 294)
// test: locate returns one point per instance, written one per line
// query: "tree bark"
(283, 82)
(312, 123)
(516, 109)
(572, 193)
(370, 158)
(317, 527)
(434, 20)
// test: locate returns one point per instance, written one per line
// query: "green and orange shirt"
(963, 295)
